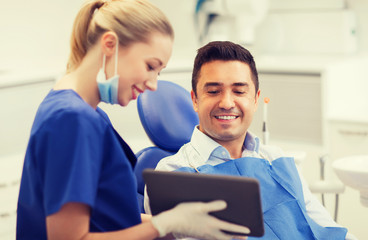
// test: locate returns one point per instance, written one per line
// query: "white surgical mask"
(108, 88)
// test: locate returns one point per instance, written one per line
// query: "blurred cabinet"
(295, 110)
(347, 138)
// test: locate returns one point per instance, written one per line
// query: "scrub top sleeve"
(70, 147)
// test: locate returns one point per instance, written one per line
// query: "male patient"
(225, 95)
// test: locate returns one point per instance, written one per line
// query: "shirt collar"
(206, 146)
(251, 142)
(203, 144)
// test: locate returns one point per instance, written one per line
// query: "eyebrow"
(241, 84)
(159, 61)
(237, 84)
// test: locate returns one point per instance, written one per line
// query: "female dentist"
(78, 180)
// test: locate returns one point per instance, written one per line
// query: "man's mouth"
(226, 117)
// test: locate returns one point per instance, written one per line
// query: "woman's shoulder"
(66, 107)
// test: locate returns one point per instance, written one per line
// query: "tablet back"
(242, 194)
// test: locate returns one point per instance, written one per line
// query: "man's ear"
(257, 99)
(194, 100)
(108, 43)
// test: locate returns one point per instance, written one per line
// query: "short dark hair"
(225, 51)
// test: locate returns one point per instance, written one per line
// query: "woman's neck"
(83, 81)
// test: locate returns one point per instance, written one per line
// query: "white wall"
(36, 33)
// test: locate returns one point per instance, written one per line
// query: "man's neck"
(235, 148)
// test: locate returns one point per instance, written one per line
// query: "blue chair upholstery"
(168, 118)
(167, 115)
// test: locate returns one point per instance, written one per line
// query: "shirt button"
(223, 153)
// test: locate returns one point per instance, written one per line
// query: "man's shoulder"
(271, 152)
(176, 161)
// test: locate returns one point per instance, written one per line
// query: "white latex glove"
(192, 220)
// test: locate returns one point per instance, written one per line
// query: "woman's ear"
(108, 43)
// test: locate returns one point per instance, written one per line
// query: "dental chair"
(168, 118)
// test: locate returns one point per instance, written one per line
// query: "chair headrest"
(167, 115)
(147, 158)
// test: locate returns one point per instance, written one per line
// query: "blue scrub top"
(75, 155)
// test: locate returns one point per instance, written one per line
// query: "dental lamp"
(234, 20)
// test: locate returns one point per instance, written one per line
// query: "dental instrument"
(266, 134)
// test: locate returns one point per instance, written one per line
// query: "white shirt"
(204, 150)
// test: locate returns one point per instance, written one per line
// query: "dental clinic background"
(312, 58)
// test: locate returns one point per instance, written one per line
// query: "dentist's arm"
(186, 219)
(72, 223)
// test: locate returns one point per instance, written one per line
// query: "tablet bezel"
(242, 194)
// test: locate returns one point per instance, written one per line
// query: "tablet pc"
(242, 195)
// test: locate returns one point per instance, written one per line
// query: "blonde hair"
(132, 21)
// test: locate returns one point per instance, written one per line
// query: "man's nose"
(226, 101)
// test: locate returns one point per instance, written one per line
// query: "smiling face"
(226, 100)
(140, 64)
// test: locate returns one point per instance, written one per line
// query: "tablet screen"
(242, 195)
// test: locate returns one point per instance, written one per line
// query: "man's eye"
(213, 92)
(239, 91)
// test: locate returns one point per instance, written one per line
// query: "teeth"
(226, 117)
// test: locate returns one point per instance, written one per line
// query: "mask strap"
(116, 58)
(103, 62)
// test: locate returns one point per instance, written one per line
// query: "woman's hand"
(193, 220)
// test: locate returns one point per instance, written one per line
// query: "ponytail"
(132, 21)
(79, 43)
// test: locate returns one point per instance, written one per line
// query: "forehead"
(159, 46)
(225, 73)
